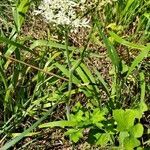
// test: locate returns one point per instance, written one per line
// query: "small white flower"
(63, 12)
(69, 12)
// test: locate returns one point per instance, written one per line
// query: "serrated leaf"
(102, 139)
(77, 117)
(75, 134)
(97, 116)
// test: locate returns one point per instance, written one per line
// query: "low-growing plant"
(121, 129)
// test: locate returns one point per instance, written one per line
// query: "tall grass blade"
(19, 13)
(50, 44)
(8, 41)
(100, 78)
(124, 42)
(137, 60)
(66, 73)
(63, 123)
(110, 49)
(22, 135)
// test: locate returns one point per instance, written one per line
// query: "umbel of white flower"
(64, 12)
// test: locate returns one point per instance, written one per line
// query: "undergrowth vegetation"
(77, 82)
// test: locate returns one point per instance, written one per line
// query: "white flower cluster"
(64, 12)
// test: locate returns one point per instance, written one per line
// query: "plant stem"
(70, 75)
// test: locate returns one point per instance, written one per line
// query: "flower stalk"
(70, 74)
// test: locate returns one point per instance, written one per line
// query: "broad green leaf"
(140, 110)
(139, 148)
(143, 107)
(137, 130)
(119, 118)
(130, 143)
(125, 119)
(122, 136)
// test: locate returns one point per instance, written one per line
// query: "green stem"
(70, 75)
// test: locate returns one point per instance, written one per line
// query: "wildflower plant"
(64, 12)
(69, 15)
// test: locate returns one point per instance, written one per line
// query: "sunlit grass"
(40, 76)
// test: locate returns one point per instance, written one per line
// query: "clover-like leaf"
(97, 116)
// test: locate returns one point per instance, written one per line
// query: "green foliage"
(102, 129)
(102, 139)
(130, 143)
(39, 76)
(137, 130)
(122, 116)
(75, 134)
(129, 131)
